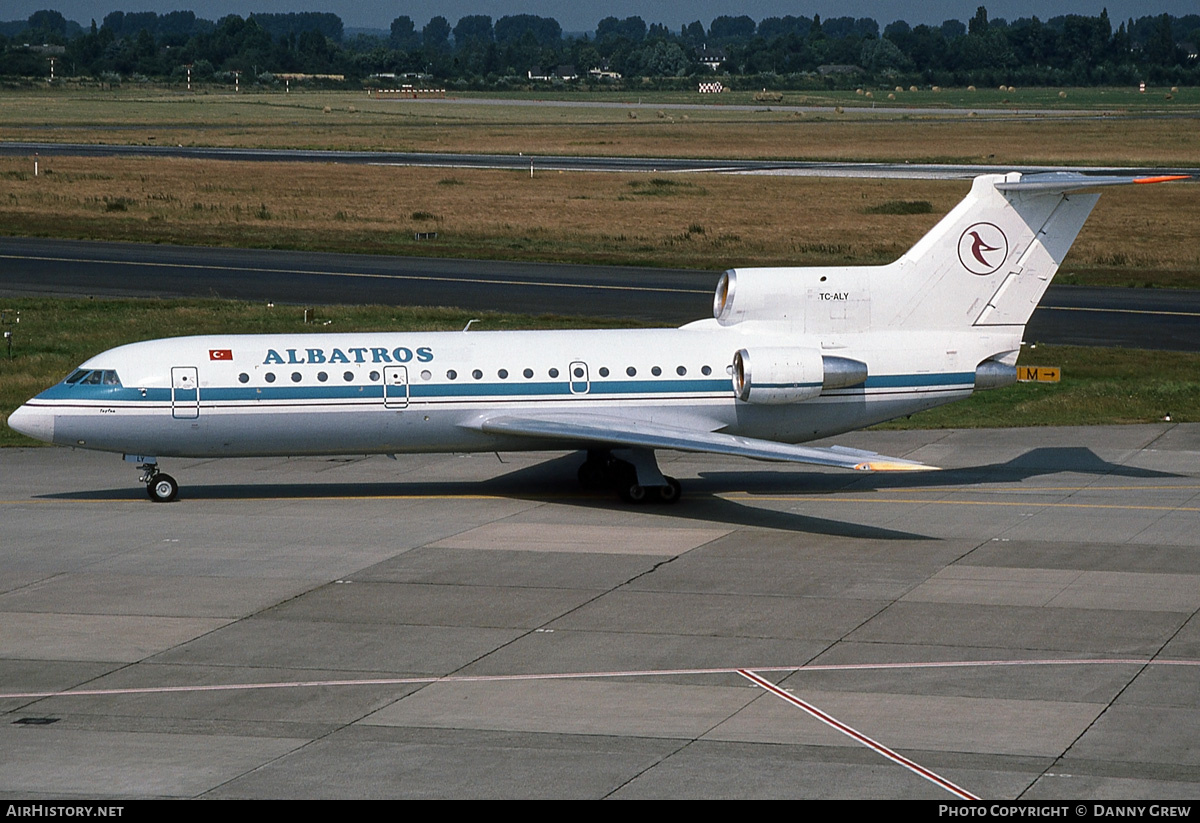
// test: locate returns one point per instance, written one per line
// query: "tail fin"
(990, 260)
(985, 264)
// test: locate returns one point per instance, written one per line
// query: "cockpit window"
(94, 377)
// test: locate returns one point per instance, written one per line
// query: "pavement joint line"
(859, 737)
(594, 675)
(361, 275)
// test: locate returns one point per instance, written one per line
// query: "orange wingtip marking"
(1164, 178)
(888, 466)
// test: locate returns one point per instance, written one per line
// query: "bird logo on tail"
(982, 248)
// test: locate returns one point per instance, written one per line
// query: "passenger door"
(185, 393)
(395, 387)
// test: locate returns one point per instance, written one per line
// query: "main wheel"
(669, 493)
(162, 488)
(633, 492)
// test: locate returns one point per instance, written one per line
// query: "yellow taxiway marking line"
(905, 500)
(736, 497)
(251, 499)
(1037, 489)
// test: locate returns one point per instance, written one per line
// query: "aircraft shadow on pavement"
(554, 481)
(549, 481)
(1040, 462)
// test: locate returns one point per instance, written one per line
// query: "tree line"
(477, 51)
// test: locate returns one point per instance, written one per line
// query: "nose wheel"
(161, 488)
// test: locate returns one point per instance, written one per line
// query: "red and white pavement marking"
(857, 736)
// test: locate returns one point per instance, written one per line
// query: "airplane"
(791, 354)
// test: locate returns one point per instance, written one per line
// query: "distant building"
(711, 57)
(300, 76)
(563, 72)
(604, 72)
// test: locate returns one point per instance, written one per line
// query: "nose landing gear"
(160, 487)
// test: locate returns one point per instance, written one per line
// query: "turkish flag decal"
(220, 354)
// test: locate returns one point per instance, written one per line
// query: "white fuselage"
(386, 392)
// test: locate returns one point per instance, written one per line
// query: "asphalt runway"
(1022, 624)
(904, 171)
(1073, 315)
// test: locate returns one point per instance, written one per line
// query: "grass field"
(55, 335)
(699, 221)
(1040, 129)
(1137, 236)
(1045, 99)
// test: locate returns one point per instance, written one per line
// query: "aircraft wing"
(617, 432)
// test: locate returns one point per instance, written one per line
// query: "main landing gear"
(633, 473)
(161, 488)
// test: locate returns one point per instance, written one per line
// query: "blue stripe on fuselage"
(498, 391)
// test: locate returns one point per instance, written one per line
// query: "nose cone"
(34, 422)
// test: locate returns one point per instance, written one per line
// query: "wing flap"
(593, 429)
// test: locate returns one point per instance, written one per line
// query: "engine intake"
(779, 375)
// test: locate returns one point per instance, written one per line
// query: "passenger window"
(656, 371)
(528, 373)
(322, 376)
(374, 376)
(631, 371)
(477, 374)
(269, 377)
(681, 371)
(554, 372)
(243, 378)
(706, 370)
(604, 371)
(348, 376)
(503, 374)
(295, 377)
